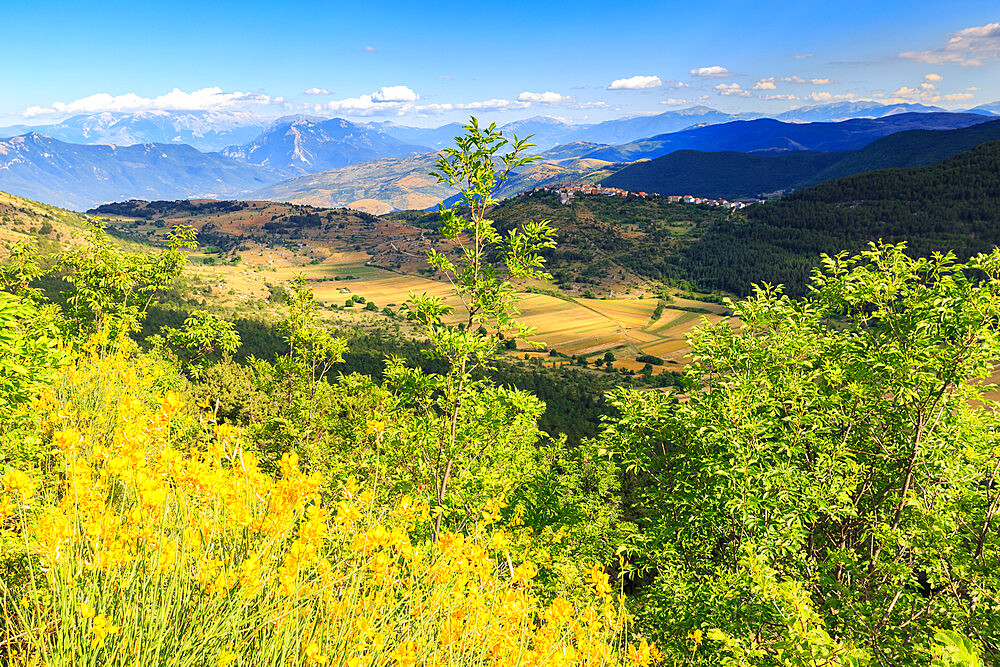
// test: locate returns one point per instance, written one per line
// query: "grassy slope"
(22, 219)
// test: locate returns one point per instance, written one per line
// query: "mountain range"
(216, 130)
(734, 175)
(293, 146)
(79, 176)
(767, 135)
(624, 130)
(94, 158)
(432, 137)
(384, 185)
(837, 111)
(204, 130)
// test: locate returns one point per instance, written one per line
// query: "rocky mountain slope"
(79, 176)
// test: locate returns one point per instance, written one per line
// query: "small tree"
(202, 334)
(113, 288)
(21, 270)
(312, 348)
(472, 422)
(296, 383)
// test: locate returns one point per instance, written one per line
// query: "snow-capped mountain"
(204, 130)
(838, 111)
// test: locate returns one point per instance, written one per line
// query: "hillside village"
(570, 189)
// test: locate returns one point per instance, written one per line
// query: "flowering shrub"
(154, 538)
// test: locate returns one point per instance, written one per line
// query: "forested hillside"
(950, 206)
(723, 174)
(605, 239)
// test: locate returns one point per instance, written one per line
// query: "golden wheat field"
(571, 325)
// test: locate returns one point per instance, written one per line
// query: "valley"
(260, 247)
(285, 324)
(630, 275)
(614, 256)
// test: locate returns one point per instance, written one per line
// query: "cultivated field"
(382, 260)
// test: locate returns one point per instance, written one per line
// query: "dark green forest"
(950, 206)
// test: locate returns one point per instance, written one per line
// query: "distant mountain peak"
(300, 144)
(548, 120)
(697, 110)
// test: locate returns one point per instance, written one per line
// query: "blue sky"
(426, 63)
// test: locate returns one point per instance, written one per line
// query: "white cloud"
(925, 92)
(387, 99)
(732, 89)
(714, 70)
(638, 82)
(548, 97)
(316, 91)
(497, 104)
(401, 100)
(394, 94)
(934, 78)
(824, 96)
(802, 56)
(969, 47)
(483, 105)
(673, 102)
(206, 99)
(370, 49)
(769, 83)
(363, 105)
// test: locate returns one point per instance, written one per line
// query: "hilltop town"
(570, 189)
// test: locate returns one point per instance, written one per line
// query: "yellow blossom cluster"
(158, 535)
